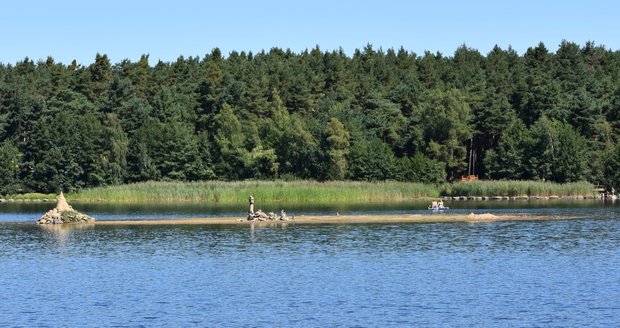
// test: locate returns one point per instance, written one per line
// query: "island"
(64, 213)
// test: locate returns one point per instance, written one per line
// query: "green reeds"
(301, 191)
(518, 188)
(31, 196)
(237, 192)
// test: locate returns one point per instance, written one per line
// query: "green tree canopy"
(550, 114)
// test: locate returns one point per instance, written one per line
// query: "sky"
(126, 29)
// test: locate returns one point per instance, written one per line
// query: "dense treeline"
(314, 115)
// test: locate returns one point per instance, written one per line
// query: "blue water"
(561, 273)
(30, 212)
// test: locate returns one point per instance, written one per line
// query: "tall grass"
(517, 188)
(264, 191)
(31, 196)
(298, 191)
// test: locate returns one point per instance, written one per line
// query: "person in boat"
(434, 205)
(440, 204)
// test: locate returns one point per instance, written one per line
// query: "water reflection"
(254, 226)
(600, 231)
(62, 233)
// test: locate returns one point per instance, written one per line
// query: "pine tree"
(338, 140)
(10, 161)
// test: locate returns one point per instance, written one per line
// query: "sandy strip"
(345, 219)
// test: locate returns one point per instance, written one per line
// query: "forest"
(321, 115)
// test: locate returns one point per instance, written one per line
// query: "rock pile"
(64, 213)
(262, 216)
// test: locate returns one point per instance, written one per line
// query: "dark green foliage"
(558, 152)
(510, 160)
(64, 152)
(10, 161)
(338, 139)
(371, 160)
(378, 114)
(420, 168)
(612, 168)
(171, 151)
(446, 124)
(384, 119)
(230, 144)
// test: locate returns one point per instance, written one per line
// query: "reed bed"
(518, 188)
(303, 191)
(31, 196)
(237, 192)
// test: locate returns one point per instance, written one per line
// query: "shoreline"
(425, 198)
(344, 219)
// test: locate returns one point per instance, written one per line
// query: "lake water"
(560, 273)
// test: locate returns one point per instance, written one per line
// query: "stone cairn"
(262, 216)
(64, 213)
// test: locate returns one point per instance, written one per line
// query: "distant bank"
(305, 191)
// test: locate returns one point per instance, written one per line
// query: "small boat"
(438, 209)
(438, 206)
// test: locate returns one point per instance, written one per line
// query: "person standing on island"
(251, 201)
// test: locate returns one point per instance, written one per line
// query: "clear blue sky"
(68, 29)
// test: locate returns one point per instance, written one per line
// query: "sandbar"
(345, 219)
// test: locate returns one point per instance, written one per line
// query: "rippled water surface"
(545, 273)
